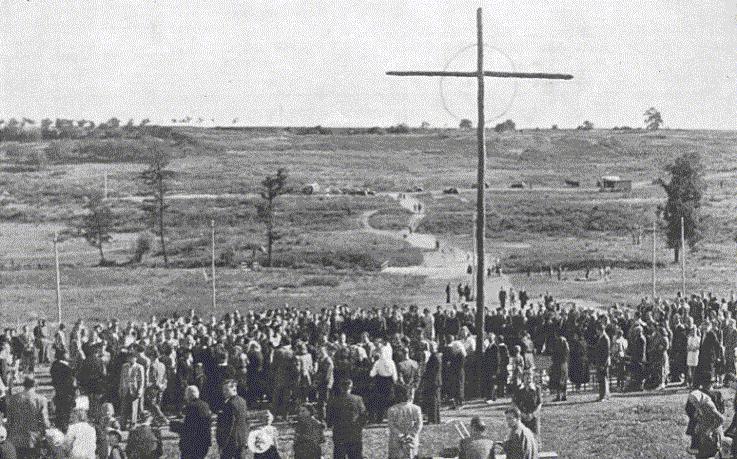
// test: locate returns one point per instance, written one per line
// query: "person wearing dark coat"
(232, 424)
(324, 378)
(559, 367)
(578, 368)
(431, 384)
(7, 450)
(144, 442)
(346, 414)
(195, 435)
(637, 348)
(65, 389)
(709, 355)
(502, 373)
(602, 360)
(490, 367)
(92, 379)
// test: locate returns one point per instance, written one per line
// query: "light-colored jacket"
(405, 423)
(132, 380)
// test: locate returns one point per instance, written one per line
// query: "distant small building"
(614, 183)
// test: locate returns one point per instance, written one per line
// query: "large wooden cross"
(479, 74)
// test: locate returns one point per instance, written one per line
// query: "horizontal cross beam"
(541, 76)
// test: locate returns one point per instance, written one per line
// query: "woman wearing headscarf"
(384, 373)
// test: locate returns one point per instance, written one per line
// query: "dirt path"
(448, 264)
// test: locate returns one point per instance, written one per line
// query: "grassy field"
(532, 228)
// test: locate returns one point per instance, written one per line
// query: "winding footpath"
(446, 265)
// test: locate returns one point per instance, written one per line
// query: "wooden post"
(473, 260)
(683, 260)
(58, 276)
(480, 190)
(105, 185)
(654, 260)
(212, 225)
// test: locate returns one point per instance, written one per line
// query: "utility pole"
(212, 225)
(654, 260)
(58, 275)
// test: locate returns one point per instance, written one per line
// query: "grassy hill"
(43, 184)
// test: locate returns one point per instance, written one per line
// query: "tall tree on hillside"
(685, 191)
(653, 119)
(272, 187)
(97, 223)
(157, 180)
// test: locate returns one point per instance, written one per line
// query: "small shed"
(614, 183)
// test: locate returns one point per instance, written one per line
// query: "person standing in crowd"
(93, 380)
(730, 346)
(431, 385)
(113, 448)
(7, 449)
(41, 341)
(521, 442)
(602, 361)
(447, 294)
(477, 445)
(65, 390)
(559, 367)
(131, 389)
(384, 372)
(693, 344)
(709, 355)
(502, 298)
(80, 441)
(346, 414)
(528, 400)
(637, 346)
(404, 421)
(195, 434)
(284, 377)
(408, 371)
(324, 380)
(157, 382)
(28, 419)
(144, 442)
(502, 375)
(232, 424)
(309, 434)
(489, 368)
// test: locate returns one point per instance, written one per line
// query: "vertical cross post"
(480, 190)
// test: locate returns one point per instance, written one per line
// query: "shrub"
(144, 242)
(398, 129)
(321, 281)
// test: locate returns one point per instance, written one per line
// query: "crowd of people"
(344, 368)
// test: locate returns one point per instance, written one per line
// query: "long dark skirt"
(384, 395)
(431, 405)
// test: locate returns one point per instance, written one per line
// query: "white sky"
(320, 62)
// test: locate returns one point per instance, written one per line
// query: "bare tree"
(157, 178)
(272, 187)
